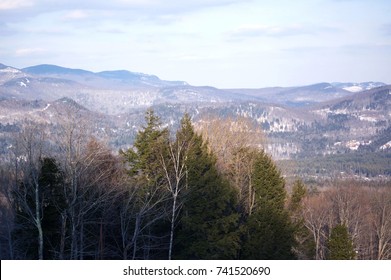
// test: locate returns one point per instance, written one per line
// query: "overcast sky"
(222, 43)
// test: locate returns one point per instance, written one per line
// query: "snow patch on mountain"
(368, 119)
(10, 70)
(386, 146)
(358, 87)
(353, 88)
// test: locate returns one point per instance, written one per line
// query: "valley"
(319, 131)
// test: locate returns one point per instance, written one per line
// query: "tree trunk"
(63, 234)
(38, 222)
(172, 226)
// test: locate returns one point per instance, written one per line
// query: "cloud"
(306, 49)
(256, 30)
(76, 15)
(174, 6)
(29, 51)
(364, 49)
(136, 7)
(350, 49)
(15, 4)
(259, 30)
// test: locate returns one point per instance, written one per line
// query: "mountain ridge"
(115, 91)
(316, 120)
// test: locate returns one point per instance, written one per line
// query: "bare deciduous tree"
(381, 222)
(28, 154)
(234, 142)
(316, 214)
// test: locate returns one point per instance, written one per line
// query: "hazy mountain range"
(134, 90)
(300, 122)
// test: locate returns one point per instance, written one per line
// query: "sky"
(221, 43)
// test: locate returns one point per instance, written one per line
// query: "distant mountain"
(118, 91)
(375, 99)
(48, 69)
(109, 92)
(299, 122)
(358, 87)
(296, 96)
(7, 73)
(138, 78)
(105, 78)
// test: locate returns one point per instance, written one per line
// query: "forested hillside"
(190, 193)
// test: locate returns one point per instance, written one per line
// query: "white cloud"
(242, 39)
(145, 7)
(29, 51)
(15, 4)
(76, 14)
(257, 30)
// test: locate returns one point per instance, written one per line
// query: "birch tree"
(28, 193)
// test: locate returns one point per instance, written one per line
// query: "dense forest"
(200, 192)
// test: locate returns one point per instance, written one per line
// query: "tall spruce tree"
(340, 244)
(52, 181)
(268, 231)
(175, 171)
(208, 225)
(147, 177)
(144, 159)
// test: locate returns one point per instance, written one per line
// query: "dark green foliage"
(208, 224)
(148, 144)
(340, 244)
(147, 177)
(52, 203)
(185, 134)
(144, 161)
(299, 191)
(51, 181)
(269, 233)
(269, 184)
(111, 215)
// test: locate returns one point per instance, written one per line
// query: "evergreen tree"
(299, 191)
(51, 179)
(269, 233)
(340, 244)
(144, 159)
(146, 173)
(208, 221)
(175, 172)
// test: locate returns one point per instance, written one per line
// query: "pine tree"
(340, 244)
(269, 233)
(208, 223)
